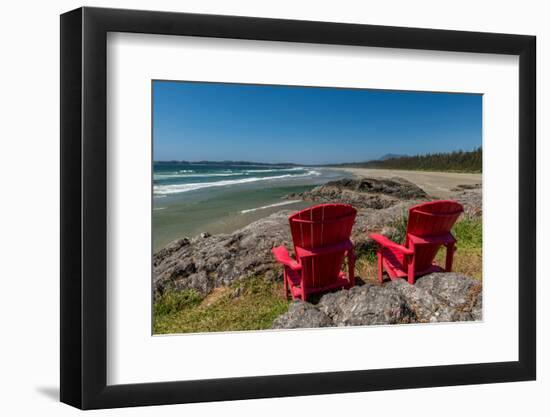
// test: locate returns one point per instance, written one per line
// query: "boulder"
(437, 297)
(302, 315)
(364, 305)
(375, 193)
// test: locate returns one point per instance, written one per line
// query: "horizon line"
(320, 163)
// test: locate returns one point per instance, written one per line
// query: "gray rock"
(472, 202)
(365, 305)
(302, 315)
(207, 262)
(423, 305)
(477, 308)
(375, 193)
(456, 290)
(438, 297)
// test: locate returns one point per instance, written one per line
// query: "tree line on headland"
(457, 161)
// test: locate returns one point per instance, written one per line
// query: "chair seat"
(294, 280)
(394, 263)
(394, 259)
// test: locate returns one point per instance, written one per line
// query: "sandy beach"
(436, 184)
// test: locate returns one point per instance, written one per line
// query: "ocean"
(190, 198)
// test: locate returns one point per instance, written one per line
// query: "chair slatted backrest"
(435, 218)
(316, 227)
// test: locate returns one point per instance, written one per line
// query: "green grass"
(250, 304)
(468, 258)
(366, 251)
(174, 301)
(468, 233)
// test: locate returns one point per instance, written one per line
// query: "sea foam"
(182, 188)
(282, 203)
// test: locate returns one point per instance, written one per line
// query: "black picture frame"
(84, 207)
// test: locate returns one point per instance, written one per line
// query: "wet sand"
(436, 184)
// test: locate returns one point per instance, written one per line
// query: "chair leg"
(380, 266)
(286, 284)
(351, 268)
(410, 270)
(451, 248)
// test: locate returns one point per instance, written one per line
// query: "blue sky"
(219, 121)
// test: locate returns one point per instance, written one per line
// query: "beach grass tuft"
(468, 259)
(250, 304)
(174, 301)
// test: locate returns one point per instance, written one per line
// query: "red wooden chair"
(428, 229)
(321, 236)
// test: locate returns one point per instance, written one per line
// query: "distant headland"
(456, 161)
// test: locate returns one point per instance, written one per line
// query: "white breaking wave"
(273, 170)
(166, 176)
(182, 188)
(282, 203)
(189, 173)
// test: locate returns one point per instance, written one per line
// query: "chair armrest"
(384, 241)
(442, 239)
(345, 246)
(282, 256)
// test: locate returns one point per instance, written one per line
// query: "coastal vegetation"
(457, 161)
(250, 304)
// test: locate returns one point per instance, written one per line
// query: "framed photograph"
(257, 208)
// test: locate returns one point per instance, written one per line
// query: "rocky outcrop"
(375, 193)
(206, 262)
(438, 297)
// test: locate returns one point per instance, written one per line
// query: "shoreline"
(225, 208)
(437, 184)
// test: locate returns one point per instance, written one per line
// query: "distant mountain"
(391, 156)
